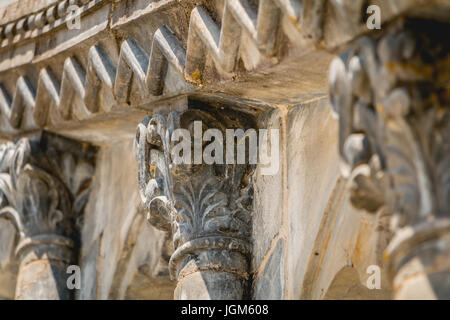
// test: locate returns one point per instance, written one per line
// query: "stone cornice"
(86, 83)
(44, 187)
(43, 21)
(18, 9)
(139, 69)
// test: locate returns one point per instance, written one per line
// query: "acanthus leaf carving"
(207, 208)
(391, 96)
(44, 187)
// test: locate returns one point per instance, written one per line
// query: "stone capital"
(44, 184)
(391, 95)
(206, 207)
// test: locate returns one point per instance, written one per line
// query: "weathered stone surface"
(268, 199)
(206, 207)
(108, 226)
(8, 269)
(269, 284)
(347, 243)
(44, 187)
(311, 177)
(300, 233)
(296, 29)
(347, 285)
(393, 141)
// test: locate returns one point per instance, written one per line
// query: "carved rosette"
(44, 183)
(391, 94)
(206, 207)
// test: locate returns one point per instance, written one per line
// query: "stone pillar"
(44, 182)
(206, 206)
(391, 93)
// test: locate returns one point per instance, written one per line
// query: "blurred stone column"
(42, 269)
(206, 207)
(391, 94)
(44, 183)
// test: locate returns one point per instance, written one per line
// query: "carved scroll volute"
(35, 201)
(43, 189)
(155, 184)
(392, 98)
(207, 208)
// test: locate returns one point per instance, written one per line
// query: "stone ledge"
(186, 50)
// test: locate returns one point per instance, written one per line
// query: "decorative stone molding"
(86, 84)
(207, 208)
(391, 95)
(222, 43)
(149, 70)
(264, 28)
(44, 186)
(43, 21)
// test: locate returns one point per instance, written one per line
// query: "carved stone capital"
(206, 207)
(44, 181)
(391, 94)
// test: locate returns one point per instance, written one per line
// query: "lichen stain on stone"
(196, 77)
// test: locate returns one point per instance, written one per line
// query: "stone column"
(391, 93)
(44, 182)
(206, 206)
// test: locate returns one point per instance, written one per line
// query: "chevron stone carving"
(86, 84)
(223, 42)
(149, 70)
(302, 21)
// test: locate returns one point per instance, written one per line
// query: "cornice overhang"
(40, 22)
(130, 57)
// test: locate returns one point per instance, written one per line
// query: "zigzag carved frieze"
(204, 37)
(86, 84)
(223, 42)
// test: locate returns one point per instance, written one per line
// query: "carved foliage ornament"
(206, 207)
(44, 184)
(392, 96)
